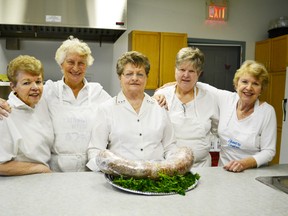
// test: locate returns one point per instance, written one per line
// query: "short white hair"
(73, 45)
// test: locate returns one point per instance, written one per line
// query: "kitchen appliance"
(276, 182)
(97, 20)
(284, 139)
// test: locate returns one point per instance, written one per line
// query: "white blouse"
(27, 134)
(148, 135)
(253, 136)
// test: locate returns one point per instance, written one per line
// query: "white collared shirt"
(27, 133)
(254, 136)
(147, 135)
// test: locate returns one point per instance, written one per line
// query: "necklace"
(244, 112)
(186, 97)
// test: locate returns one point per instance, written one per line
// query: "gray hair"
(73, 45)
(192, 55)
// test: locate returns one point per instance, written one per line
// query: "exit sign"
(218, 12)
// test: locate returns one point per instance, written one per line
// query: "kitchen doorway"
(222, 59)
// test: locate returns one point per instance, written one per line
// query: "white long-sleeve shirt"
(253, 136)
(27, 133)
(147, 135)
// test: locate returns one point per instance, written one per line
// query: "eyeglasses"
(130, 75)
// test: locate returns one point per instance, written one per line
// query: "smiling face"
(186, 76)
(133, 79)
(74, 69)
(28, 87)
(248, 88)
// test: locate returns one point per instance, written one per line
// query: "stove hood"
(94, 20)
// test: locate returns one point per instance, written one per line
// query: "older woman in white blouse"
(27, 134)
(192, 110)
(247, 126)
(132, 124)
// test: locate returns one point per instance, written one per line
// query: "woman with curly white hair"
(71, 101)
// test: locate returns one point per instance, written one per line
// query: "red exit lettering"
(217, 13)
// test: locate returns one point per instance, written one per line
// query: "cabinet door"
(148, 43)
(262, 55)
(171, 43)
(279, 53)
(262, 52)
(276, 95)
(278, 147)
(277, 82)
(275, 53)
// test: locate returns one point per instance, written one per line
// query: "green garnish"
(165, 184)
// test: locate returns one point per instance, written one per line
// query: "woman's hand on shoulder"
(4, 108)
(161, 100)
(166, 85)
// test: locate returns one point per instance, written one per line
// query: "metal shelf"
(4, 83)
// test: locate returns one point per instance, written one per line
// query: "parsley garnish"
(165, 184)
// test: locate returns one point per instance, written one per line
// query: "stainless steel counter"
(218, 193)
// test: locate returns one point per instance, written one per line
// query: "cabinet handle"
(284, 104)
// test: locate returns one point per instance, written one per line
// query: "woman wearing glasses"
(192, 110)
(132, 124)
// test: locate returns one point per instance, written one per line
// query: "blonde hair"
(254, 69)
(192, 55)
(73, 45)
(25, 63)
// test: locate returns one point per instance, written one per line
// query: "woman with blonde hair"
(247, 126)
(27, 134)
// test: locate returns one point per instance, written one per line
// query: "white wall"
(248, 21)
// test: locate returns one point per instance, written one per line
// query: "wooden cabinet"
(273, 53)
(262, 52)
(161, 49)
(279, 53)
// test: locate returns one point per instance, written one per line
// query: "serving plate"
(110, 178)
